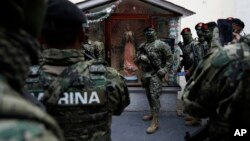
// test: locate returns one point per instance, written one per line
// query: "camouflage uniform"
(88, 50)
(20, 120)
(150, 80)
(191, 58)
(153, 72)
(202, 43)
(100, 50)
(20, 23)
(176, 63)
(219, 90)
(95, 50)
(203, 49)
(79, 120)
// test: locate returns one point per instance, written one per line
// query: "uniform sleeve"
(118, 96)
(176, 59)
(25, 129)
(138, 53)
(196, 57)
(167, 54)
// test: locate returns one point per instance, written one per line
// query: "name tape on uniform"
(77, 98)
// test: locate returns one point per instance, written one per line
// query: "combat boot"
(193, 122)
(154, 125)
(188, 118)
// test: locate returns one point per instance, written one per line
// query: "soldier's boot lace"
(154, 125)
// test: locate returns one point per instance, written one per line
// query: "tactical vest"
(232, 63)
(82, 111)
(190, 55)
(152, 51)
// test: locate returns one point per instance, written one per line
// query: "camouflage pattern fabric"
(161, 53)
(99, 50)
(203, 49)
(191, 58)
(219, 90)
(95, 49)
(176, 64)
(81, 121)
(89, 47)
(22, 45)
(19, 119)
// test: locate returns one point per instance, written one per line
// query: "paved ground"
(130, 127)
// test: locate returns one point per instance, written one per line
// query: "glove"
(144, 58)
(161, 72)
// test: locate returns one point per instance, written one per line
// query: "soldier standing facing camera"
(155, 60)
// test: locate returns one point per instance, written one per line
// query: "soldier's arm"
(195, 59)
(138, 55)
(176, 60)
(166, 50)
(118, 96)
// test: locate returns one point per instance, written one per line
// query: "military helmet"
(25, 14)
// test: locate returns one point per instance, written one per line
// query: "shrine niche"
(122, 42)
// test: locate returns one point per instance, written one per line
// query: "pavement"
(130, 126)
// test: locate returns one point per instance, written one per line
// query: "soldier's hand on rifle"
(161, 72)
(144, 58)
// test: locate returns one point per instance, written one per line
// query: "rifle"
(200, 135)
(88, 56)
(152, 61)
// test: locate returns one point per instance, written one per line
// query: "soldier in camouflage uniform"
(208, 32)
(81, 95)
(190, 53)
(191, 58)
(202, 44)
(176, 63)
(220, 90)
(20, 119)
(93, 50)
(88, 47)
(155, 59)
(99, 50)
